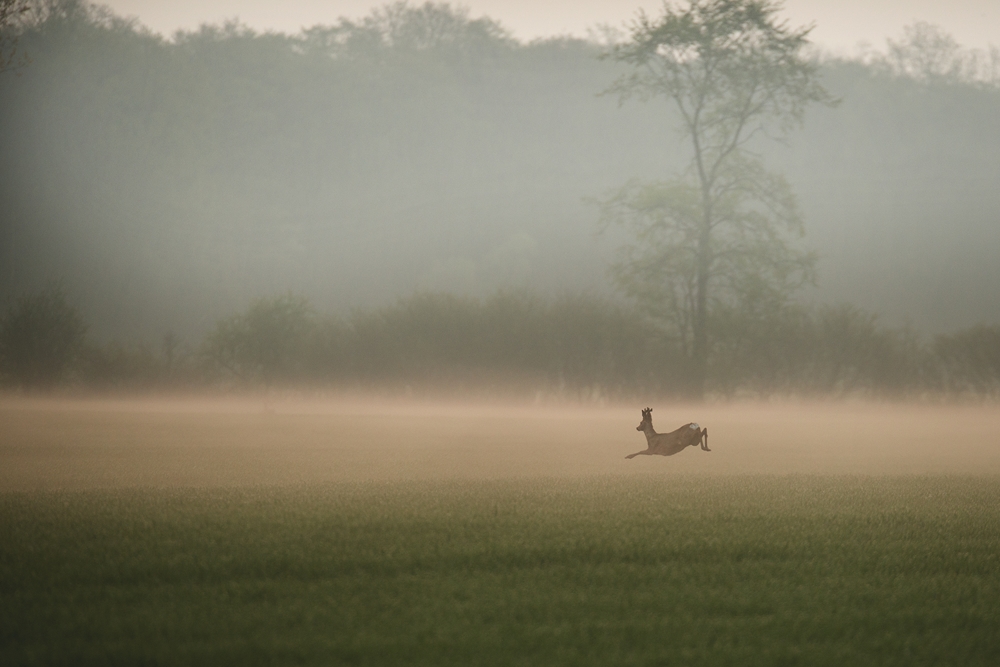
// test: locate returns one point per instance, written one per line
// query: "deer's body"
(668, 444)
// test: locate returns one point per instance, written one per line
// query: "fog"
(91, 444)
(317, 332)
(839, 26)
(414, 196)
(171, 182)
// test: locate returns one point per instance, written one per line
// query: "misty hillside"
(172, 181)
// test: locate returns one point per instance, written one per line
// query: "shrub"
(41, 336)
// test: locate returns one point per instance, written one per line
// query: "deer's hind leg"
(645, 451)
(704, 440)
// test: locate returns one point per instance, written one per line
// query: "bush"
(264, 344)
(573, 346)
(837, 350)
(41, 336)
(969, 361)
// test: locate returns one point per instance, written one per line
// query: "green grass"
(605, 571)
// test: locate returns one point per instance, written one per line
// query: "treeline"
(575, 347)
(172, 179)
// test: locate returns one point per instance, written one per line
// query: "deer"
(668, 444)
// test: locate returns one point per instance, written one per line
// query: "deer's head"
(647, 418)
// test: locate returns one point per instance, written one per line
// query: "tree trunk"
(699, 347)
(699, 343)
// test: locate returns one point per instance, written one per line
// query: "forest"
(415, 199)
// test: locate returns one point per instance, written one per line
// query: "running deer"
(668, 444)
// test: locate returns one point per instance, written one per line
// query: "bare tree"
(11, 11)
(720, 232)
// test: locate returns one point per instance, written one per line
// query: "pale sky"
(840, 24)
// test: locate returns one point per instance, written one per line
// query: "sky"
(840, 24)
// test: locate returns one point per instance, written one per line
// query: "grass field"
(189, 533)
